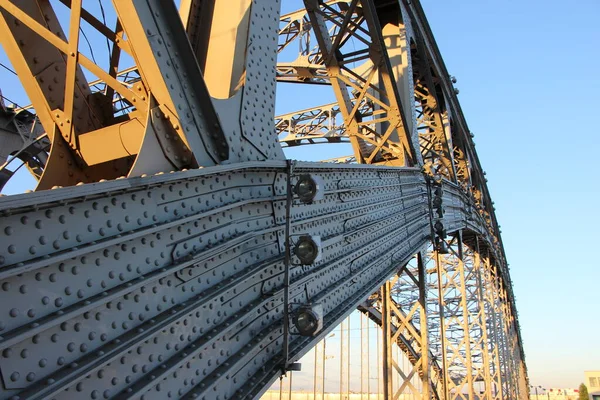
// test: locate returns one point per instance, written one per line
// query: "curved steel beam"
(181, 284)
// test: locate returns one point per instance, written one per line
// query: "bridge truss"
(160, 255)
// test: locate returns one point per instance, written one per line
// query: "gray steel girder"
(173, 283)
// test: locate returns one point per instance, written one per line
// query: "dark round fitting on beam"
(307, 321)
(306, 189)
(306, 250)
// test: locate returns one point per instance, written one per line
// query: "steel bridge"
(170, 250)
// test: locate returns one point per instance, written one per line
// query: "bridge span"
(169, 248)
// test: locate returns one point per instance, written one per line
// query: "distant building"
(592, 381)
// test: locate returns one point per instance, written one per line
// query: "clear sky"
(529, 87)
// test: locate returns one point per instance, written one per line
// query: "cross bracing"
(158, 256)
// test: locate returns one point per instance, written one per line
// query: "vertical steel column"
(281, 387)
(504, 334)
(510, 343)
(344, 341)
(478, 343)
(498, 329)
(386, 331)
(508, 384)
(393, 146)
(465, 316)
(364, 355)
(492, 317)
(319, 369)
(424, 328)
(379, 363)
(455, 326)
(481, 319)
(434, 143)
(348, 347)
(441, 304)
(514, 348)
(324, 360)
(408, 317)
(235, 41)
(167, 66)
(523, 379)
(368, 359)
(285, 381)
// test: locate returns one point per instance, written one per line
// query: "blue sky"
(528, 79)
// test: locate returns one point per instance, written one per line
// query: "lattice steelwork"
(163, 253)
